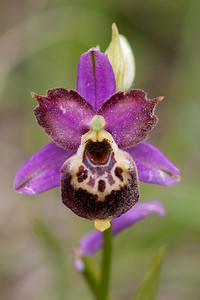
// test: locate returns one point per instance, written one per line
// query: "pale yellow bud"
(122, 60)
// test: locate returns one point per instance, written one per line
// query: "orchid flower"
(98, 153)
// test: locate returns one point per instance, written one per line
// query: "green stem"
(91, 274)
(106, 264)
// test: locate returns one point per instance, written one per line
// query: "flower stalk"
(106, 265)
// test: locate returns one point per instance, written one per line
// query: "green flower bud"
(122, 60)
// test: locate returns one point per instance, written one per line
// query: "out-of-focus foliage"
(149, 287)
(40, 43)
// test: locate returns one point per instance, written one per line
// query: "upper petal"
(64, 115)
(96, 80)
(41, 172)
(129, 117)
(153, 166)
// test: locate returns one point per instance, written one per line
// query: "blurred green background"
(40, 43)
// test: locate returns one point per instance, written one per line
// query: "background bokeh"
(40, 43)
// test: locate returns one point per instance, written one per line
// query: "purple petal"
(96, 79)
(92, 241)
(129, 117)
(64, 115)
(153, 166)
(41, 172)
(78, 264)
(141, 211)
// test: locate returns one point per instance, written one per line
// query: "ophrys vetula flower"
(98, 149)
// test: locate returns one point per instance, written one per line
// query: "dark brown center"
(98, 152)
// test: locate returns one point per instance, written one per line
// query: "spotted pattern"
(118, 173)
(82, 174)
(101, 186)
(99, 182)
(91, 181)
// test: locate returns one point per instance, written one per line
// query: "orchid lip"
(100, 181)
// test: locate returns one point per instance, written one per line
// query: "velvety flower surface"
(98, 149)
(93, 240)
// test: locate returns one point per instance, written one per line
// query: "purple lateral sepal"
(153, 166)
(92, 241)
(95, 80)
(64, 115)
(41, 172)
(129, 117)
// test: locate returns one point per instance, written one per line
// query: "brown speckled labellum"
(99, 181)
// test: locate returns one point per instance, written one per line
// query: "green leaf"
(149, 287)
(91, 273)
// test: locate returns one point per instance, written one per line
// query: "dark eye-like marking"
(82, 174)
(118, 173)
(101, 186)
(98, 152)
